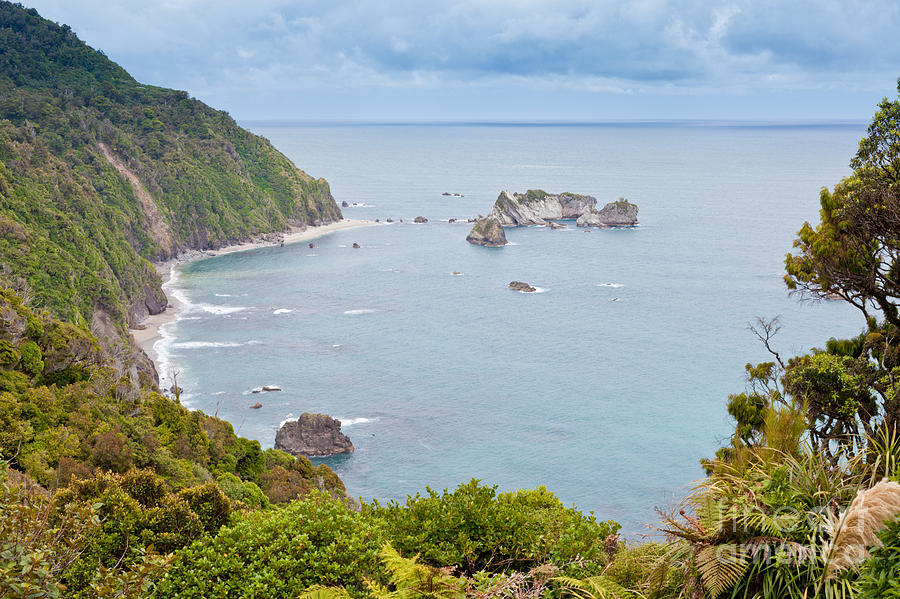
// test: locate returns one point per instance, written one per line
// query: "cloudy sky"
(537, 60)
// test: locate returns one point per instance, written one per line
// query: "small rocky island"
(521, 286)
(487, 231)
(313, 435)
(537, 207)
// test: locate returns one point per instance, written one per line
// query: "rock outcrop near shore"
(537, 207)
(488, 232)
(313, 435)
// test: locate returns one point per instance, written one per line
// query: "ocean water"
(607, 387)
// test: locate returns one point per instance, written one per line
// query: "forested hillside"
(100, 174)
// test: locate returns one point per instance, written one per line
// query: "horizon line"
(836, 122)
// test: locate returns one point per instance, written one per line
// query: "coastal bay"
(616, 369)
(149, 332)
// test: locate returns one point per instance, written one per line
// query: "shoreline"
(147, 337)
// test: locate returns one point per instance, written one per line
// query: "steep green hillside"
(100, 175)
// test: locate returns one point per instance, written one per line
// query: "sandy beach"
(147, 337)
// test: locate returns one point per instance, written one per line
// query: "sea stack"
(313, 435)
(488, 232)
(537, 207)
(620, 213)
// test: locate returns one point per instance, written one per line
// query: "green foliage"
(281, 552)
(534, 195)
(474, 528)
(247, 493)
(81, 422)
(880, 575)
(410, 579)
(137, 513)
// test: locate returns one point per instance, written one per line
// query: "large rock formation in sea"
(487, 231)
(621, 213)
(313, 435)
(537, 207)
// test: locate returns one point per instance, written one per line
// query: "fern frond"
(721, 567)
(595, 587)
(414, 579)
(318, 591)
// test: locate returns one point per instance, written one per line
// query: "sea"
(608, 385)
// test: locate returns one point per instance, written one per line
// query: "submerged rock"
(356, 246)
(313, 435)
(271, 388)
(344, 204)
(520, 286)
(420, 219)
(255, 406)
(487, 232)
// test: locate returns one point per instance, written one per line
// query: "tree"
(854, 252)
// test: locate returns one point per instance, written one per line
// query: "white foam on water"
(337, 345)
(204, 344)
(352, 421)
(311, 255)
(283, 311)
(360, 311)
(219, 310)
(219, 393)
(614, 285)
(616, 299)
(540, 289)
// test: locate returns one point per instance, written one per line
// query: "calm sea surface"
(440, 378)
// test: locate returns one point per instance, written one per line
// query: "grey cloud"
(663, 46)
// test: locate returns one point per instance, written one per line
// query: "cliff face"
(536, 207)
(99, 175)
(621, 213)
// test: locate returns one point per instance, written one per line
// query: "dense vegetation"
(99, 174)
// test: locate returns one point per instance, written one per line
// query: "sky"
(505, 60)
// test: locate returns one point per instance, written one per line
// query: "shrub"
(476, 529)
(280, 552)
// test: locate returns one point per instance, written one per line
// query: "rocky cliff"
(313, 435)
(100, 175)
(537, 207)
